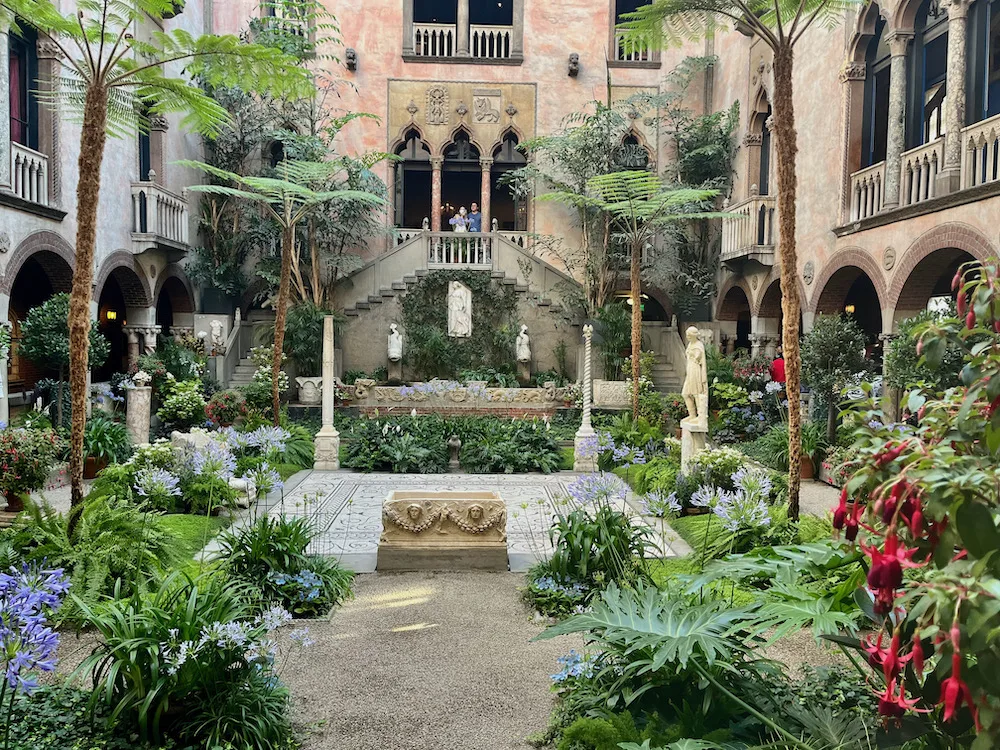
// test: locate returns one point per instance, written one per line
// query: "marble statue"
(459, 310)
(523, 345)
(395, 343)
(695, 390)
(218, 342)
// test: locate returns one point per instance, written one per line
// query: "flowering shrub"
(184, 405)
(552, 597)
(226, 408)
(158, 487)
(26, 457)
(258, 392)
(675, 408)
(926, 501)
(574, 665)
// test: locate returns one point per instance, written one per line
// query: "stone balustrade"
(752, 231)
(453, 249)
(919, 172)
(29, 174)
(450, 395)
(982, 151)
(491, 42)
(158, 214)
(867, 191)
(631, 51)
(434, 39)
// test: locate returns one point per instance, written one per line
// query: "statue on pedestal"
(695, 390)
(459, 310)
(395, 343)
(523, 346)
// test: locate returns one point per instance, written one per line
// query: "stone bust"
(395, 343)
(574, 64)
(523, 345)
(695, 379)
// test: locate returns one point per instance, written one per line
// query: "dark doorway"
(111, 319)
(412, 182)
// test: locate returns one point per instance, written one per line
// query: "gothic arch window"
(875, 119)
(508, 209)
(411, 182)
(461, 149)
(759, 142)
(927, 72)
(632, 154)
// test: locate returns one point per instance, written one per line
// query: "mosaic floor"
(347, 508)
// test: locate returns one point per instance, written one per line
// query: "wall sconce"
(849, 309)
(111, 315)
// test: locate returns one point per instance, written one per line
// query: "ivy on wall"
(431, 353)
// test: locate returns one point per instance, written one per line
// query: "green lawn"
(192, 532)
(287, 470)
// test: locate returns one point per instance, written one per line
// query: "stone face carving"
(395, 343)
(361, 386)
(412, 108)
(889, 258)
(574, 64)
(461, 109)
(808, 272)
(310, 389)
(695, 390)
(444, 519)
(459, 310)
(511, 110)
(523, 347)
(351, 58)
(437, 105)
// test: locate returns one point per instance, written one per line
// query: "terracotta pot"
(93, 466)
(678, 432)
(806, 470)
(15, 502)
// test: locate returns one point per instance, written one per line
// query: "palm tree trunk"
(636, 283)
(92, 140)
(786, 148)
(281, 311)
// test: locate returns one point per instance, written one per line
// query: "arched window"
(412, 181)
(927, 90)
(276, 154)
(23, 75)
(461, 149)
(632, 154)
(508, 209)
(875, 122)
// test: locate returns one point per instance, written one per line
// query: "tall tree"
(779, 24)
(109, 75)
(639, 204)
(288, 199)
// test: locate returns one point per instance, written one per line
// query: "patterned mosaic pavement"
(347, 508)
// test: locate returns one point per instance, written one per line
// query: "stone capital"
(158, 122)
(486, 163)
(437, 162)
(956, 8)
(886, 338)
(853, 71)
(752, 139)
(899, 42)
(47, 50)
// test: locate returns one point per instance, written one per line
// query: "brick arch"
(130, 277)
(178, 303)
(774, 277)
(54, 254)
(729, 309)
(851, 257)
(952, 235)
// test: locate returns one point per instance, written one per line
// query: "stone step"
(363, 306)
(374, 299)
(350, 312)
(387, 292)
(411, 279)
(399, 286)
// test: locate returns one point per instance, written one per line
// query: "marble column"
(756, 341)
(949, 178)
(890, 396)
(132, 336)
(4, 104)
(407, 28)
(462, 45)
(486, 191)
(852, 79)
(436, 163)
(328, 439)
(899, 44)
(138, 404)
(49, 75)
(584, 453)
(517, 32)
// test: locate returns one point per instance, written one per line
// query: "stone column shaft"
(462, 45)
(517, 42)
(4, 106)
(583, 457)
(486, 190)
(138, 404)
(898, 46)
(328, 439)
(950, 176)
(852, 78)
(436, 163)
(407, 28)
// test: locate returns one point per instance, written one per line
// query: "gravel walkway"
(817, 498)
(422, 661)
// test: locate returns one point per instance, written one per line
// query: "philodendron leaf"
(978, 529)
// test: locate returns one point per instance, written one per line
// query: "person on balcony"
(460, 221)
(475, 219)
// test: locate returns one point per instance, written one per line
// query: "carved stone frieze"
(853, 71)
(437, 106)
(444, 519)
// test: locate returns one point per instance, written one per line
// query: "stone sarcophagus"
(423, 530)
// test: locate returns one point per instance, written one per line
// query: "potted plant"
(26, 457)
(304, 346)
(104, 441)
(813, 447)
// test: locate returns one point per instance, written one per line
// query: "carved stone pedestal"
(584, 456)
(327, 450)
(694, 439)
(395, 371)
(138, 403)
(443, 531)
(524, 373)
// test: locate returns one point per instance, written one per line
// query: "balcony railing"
(29, 174)
(867, 191)
(434, 39)
(982, 157)
(919, 172)
(752, 232)
(158, 216)
(632, 51)
(490, 42)
(452, 249)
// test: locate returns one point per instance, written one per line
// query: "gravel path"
(817, 498)
(421, 661)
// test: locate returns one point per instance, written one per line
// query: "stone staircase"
(243, 373)
(666, 379)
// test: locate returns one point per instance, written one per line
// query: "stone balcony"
(440, 41)
(751, 234)
(29, 174)
(159, 218)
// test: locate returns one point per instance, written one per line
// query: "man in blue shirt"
(475, 219)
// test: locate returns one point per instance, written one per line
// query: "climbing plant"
(432, 353)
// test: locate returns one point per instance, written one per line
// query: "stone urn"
(310, 389)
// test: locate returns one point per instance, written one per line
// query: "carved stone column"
(890, 396)
(486, 191)
(462, 46)
(138, 405)
(132, 336)
(852, 78)
(49, 74)
(4, 105)
(149, 338)
(436, 163)
(584, 455)
(899, 44)
(949, 178)
(328, 439)
(756, 342)
(157, 128)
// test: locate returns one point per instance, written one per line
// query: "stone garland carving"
(475, 518)
(456, 393)
(419, 516)
(437, 105)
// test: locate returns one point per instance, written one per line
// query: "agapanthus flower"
(752, 482)
(213, 458)
(268, 438)
(155, 482)
(774, 387)
(739, 511)
(27, 644)
(265, 479)
(601, 488)
(658, 504)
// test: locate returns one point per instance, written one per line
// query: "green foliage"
(614, 338)
(658, 475)
(300, 449)
(432, 353)
(115, 545)
(226, 408)
(172, 361)
(599, 546)
(304, 337)
(205, 494)
(26, 457)
(106, 440)
(904, 368)
(270, 556)
(832, 354)
(771, 448)
(604, 733)
(718, 366)
(551, 597)
(45, 336)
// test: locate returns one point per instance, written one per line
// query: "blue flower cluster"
(264, 440)
(743, 509)
(304, 586)
(548, 583)
(660, 505)
(27, 644)
(213, 458)
(598, 489)
(155, 482)
(265, 479)
(575, 664)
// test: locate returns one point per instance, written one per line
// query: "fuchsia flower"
(893, 706)
(954, 691)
